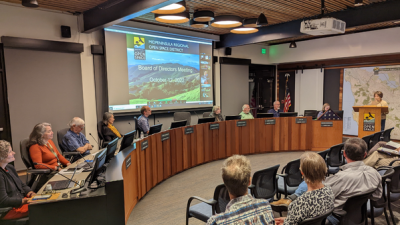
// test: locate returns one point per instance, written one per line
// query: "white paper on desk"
(65, 172)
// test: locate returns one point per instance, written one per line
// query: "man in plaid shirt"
(243, 208)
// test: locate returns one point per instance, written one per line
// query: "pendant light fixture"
(262, 20)
(172, 9)
(196, 24)
(244, 30)
(358, 3)
(292, 45)
(227, 21)
(173, 18)
(203, 16)
(252, 22)
(30, 3)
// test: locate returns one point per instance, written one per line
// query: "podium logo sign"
(369, 122)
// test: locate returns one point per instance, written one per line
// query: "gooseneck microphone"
(95, 140)
(90, 167)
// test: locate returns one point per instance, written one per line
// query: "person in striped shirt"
(242, 208)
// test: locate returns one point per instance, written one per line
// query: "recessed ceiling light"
(173, 18)
(203, 16)
(196, 24)
(171, 9)
(244, 30)
(227, 21)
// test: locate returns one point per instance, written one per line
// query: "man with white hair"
(246, 112)
(276, 110)
(74, 140)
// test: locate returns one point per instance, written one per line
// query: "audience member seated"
(276, 110)
(325, 108)
(74, 140)
(246, 112)
(108, 130)
(13, 192)
(356, 178)
(243, 208)
(216, 113)
(377, 159)
(318, 199)
(143, 120)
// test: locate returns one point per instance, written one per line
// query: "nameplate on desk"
(145, 144)
(326, 124)
(214, 126)
(189, 130)
(164, 136)
(301, 120)
(241, 123)
(128, 162)
(269, 122)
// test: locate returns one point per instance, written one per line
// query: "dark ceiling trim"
(236, 61)
(41, 45)
(117, 11)
(369, 14)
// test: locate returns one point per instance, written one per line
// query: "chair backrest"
(60, 135)
(318, 220)
(183, 116)
(386, 173)
(26, 158)
(335, 156)
(367, 140)
(99, 131)
(323, 154)
(221, 195)
(206, 114)
(292, 169)
(386, 134)
(395, 181)
(356, 208)
(138, 129)
(265, 182)
(375, 139)
(312, 113)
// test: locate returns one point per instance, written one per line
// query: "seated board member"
(216, 113)
(377, 159)
(325, 108)
(276, 110)
(356, 178)
(246, 112)
(13, 192)
(74, 140)
(318, 199)
(242, 208)
(143, 120)
(108, 131)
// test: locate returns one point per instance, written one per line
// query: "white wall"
(18, 21)
(309, 88)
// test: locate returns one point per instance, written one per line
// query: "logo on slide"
(140, 51)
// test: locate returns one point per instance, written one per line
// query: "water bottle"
(141, 135)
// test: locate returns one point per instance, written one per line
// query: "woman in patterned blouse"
(318, 199)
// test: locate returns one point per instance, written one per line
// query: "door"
(262, 80)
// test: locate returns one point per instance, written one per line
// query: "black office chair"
(335, 158)
(178, 116)
(324, 154)
(354, 210)
(367, 140)
(138, 129)
(263, 185)
(289, 179)
(386, 134)
(375, 139)
(312, 113)
(102, 142)
(21, 221)
(318, 220)
(377, 208)
(394, 188)
(67, 155)
(207, 208)
(33, 175)
(206, 114)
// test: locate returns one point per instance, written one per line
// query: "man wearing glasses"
(74, 140)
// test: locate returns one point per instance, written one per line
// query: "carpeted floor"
(166, 203)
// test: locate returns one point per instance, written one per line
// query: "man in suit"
(276, 110)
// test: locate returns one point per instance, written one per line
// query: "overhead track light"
(262, 20)
(227, 21)
(172, 9)
(173, 18)
(196, 24)
(203, 16)
(250, 22)
(358, 3)
(292, 45)
(30, 3)
(244, 30)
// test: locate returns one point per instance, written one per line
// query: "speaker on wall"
(97, 49)
(228, 51)
(215, 59)
(65, 31)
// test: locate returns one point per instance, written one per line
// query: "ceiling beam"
(369, 14)
(113, 12)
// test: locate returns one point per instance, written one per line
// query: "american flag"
(288, 102)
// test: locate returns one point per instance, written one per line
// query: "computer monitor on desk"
(100, 159)
(177, 124)
(236, 117)
(155, 129)
(265, 115)
(110, 149)
(287, 114)
(339, 113)
(206, 120)
(127, 140)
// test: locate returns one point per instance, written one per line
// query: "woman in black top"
(216, 112)
(12, 190)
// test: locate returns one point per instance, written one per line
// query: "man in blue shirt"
(74, 140)
(276, 110)
(143, 121)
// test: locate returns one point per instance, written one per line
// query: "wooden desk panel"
(154, 161)
(189, 148)
(298, 135)
(176, 150)
(131, 186)
(166, 152)
(325, 137)
(232, 138)
(264, 136)
(149, 168)
(160, 158)
(200, 143)
(219, 137)
(142, 166)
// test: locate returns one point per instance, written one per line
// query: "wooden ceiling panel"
(65, 5)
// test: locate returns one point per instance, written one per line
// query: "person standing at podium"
(378, 101)
(325, 108)
(276, 110)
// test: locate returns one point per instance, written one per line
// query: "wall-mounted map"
(359, 86)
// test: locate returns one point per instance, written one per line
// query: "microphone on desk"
(90, 167)
(74, 191)
(95, 141)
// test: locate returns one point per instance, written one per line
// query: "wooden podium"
(369, 119)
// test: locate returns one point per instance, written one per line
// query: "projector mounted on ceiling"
(323, 26)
